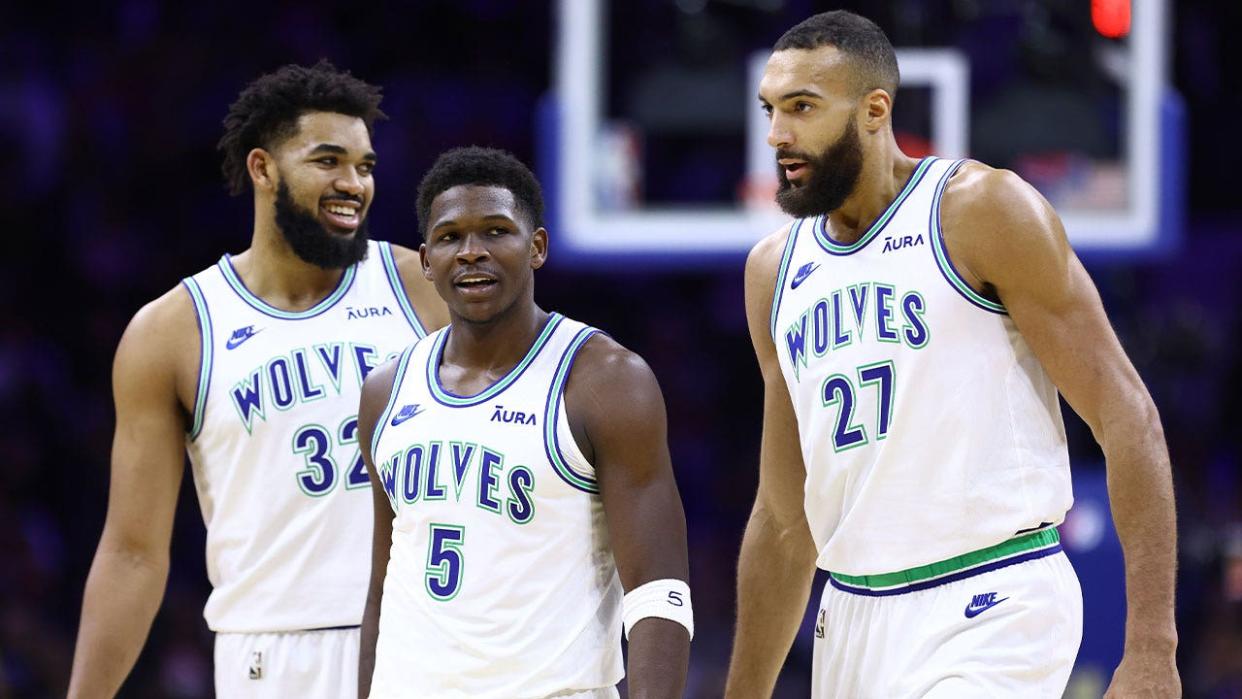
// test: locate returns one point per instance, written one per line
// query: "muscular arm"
(422, 294)
(1010, 240)
(375, 393)
(617, 411)
(777, 563)
(127, 578)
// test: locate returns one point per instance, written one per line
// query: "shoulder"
(991, 218)
(609, 383)
(421, 292)
(163, 326)
(160, 350)
(764, 259)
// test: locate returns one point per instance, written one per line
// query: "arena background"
(109, 114)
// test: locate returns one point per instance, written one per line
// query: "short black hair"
(486, 167)
(857, 37)
(267, 110)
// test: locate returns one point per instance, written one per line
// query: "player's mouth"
(342, 214)
(795, 169)
(475, 284)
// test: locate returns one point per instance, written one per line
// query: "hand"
(1145, 674)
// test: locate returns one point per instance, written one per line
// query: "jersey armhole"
(562, 462)
(398, 289)
(781, 273)
(397, 380)
(203, 317)
(941, 251)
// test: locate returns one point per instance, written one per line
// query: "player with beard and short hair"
(914, 325)
(254, 366)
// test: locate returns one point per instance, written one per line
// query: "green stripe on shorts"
(1019, 544)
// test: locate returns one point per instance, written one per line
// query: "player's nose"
(349, 182)
(471, 249)
(779, 135)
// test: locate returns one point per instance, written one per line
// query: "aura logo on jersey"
(512, 416)
(854, 314)
(431, 472)
(896, 243)
(302, 376)
(352, 313)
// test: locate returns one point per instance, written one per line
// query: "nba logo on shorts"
(819, 624)
(256, 665)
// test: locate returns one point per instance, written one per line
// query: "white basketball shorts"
(1006, 626)
(319, 664)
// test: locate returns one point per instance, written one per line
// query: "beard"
(311, 241)
(831, 180)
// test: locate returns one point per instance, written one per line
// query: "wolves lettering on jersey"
(915, 451)
(853, 314)
(274, 443)
(285, 380)
(418, 474)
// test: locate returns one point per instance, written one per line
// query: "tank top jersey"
(928, 427)
(274, 444)
(501, 582)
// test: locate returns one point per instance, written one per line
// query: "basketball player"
(914, 325)
(254, 366)
(521, 478)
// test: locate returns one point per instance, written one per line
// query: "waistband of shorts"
(1019, 549)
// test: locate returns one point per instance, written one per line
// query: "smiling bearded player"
(913, 326)
(254, 366)
(524, 480)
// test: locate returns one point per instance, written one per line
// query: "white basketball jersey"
(274, 444)
(501, 581)
(928, 427)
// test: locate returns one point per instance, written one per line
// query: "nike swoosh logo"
(406, 413)
(803, 272)
(972, 612)
(240, 336)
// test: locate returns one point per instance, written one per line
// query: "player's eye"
(327, 160)
(767, 110)
(803, 107)
(498, 230)
(366, 168)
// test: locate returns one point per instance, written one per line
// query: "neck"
(274, 273)
(883, 175)
(498, 344)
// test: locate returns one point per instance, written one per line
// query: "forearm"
(1140, 490)
(775, 572)
(659, 656)
(123, 593)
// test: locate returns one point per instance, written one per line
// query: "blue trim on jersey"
(954, 577)
(398, 289)
(452, 400)
(551, 412)
(203, 317)
(402, 362)
(941, 252)
(832, 247)
(342, 287)
(783, 271)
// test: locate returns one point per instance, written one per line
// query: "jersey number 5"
(444, 561)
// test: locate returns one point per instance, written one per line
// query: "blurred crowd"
(109, 115)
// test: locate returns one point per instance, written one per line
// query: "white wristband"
(666, 599)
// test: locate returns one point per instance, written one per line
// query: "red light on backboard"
(1111, 17)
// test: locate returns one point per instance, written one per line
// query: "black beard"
(312, 242)
(833, 176)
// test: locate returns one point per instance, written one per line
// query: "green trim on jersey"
(342, 287)
(402, 363)
(833, 246)
(437, 352)
(1045, 538)
(942, 256)
(398, 289)
(784, 270)
(556, 396)
(205, 359)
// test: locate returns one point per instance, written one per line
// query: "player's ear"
(262, 169)
(538, 247)
(422, 259)
(877, 109)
